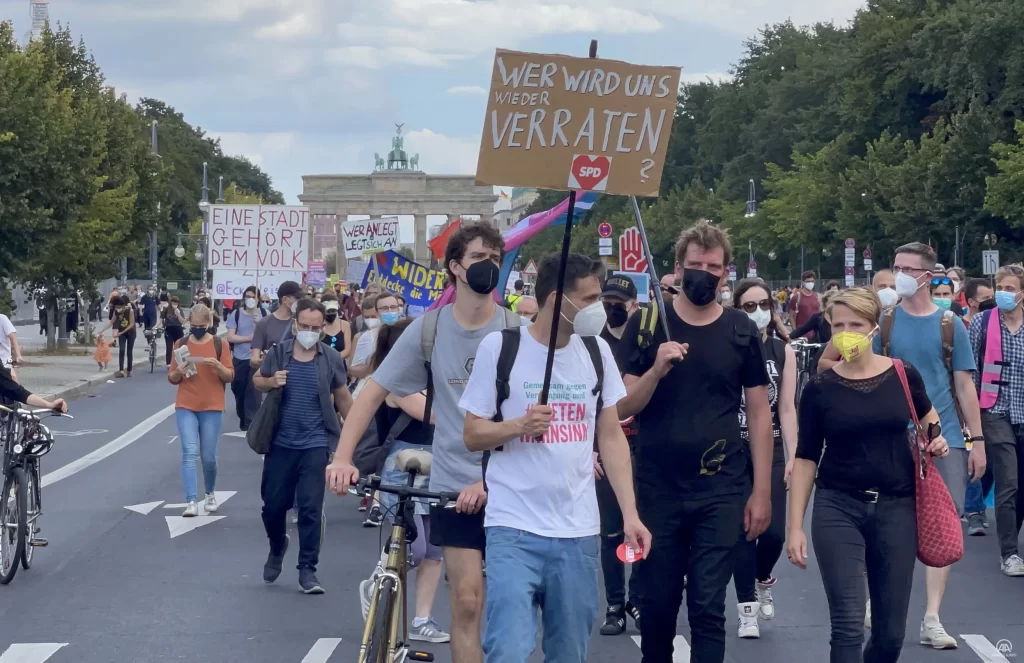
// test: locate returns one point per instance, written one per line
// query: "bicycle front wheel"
(152, 357)
(31, 513)
(377, 643)
(12, 524)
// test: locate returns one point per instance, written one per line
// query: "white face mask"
(888, 297)
(761, 318)
(308, 339)
(526, 321)
(726, 296)
(809, 285)
(250, 302)
(956, 287)
(906, 285)
(590, 320)
(295, 308)
(372, 323)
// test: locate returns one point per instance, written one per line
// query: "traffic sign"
(604, 250)
(990, 262)
(850, 243)
(867, 265)
(604, 229)
(849, 271)
(531, 269)
(732, 272)
(867, 254)
(605, 241)
(751, 269)
(172, 285)
(631, 252)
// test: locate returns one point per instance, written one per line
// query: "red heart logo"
(590, 173)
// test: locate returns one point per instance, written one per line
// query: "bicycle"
(805, 353)
(151, 336)
(26, 440)
(386, 634)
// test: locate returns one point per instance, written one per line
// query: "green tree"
(1005, 192)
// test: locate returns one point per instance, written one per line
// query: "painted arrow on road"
(178, 525)
(36, 652)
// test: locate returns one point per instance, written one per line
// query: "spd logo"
(589, 172)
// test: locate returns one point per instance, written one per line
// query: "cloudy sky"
(315, 86)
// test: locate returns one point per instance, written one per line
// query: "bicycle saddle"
(414, 460)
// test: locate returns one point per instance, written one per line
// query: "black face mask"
(617, 315)
(331, 317)
(987, 305)
(482, 277)
(700, 287)
(199, 333)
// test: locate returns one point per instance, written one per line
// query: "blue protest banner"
(418, 284)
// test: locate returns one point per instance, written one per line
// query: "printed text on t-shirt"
(569, 420)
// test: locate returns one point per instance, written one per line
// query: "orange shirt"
(204, 391)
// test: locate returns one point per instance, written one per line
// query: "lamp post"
(204, 208)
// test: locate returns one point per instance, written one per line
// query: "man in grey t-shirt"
(472, 259)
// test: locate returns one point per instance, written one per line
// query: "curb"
(78, 388)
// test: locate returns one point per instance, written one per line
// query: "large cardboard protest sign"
(258, 237)
(418, 284)
(369, 236)
(560, 122)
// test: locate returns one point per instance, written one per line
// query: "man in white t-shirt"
(542, 520)
(9, 348)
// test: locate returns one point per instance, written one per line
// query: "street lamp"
(205, 201)
(751, 202)
(220, 191)
(179, 250)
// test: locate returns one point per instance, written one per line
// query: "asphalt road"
(114, 586)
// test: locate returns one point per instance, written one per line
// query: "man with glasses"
(312, 380)
(917, 332)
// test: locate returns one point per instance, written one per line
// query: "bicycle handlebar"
(26, 413)
(373, 483)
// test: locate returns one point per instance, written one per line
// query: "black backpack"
(510, 339)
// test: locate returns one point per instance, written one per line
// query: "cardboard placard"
(560, 122)
(367, 236)
(231, 283)
(258, 237)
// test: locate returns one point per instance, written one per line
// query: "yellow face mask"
(853, 344)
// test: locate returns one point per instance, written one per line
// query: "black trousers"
(851, 537)
(696, 537)
(612, 536)
(126, 346)
(295, 477)
(247, 397)
(171, 336)
(755, 560)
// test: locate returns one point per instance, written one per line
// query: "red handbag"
(940, 537)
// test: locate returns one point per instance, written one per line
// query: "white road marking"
(108, 449)
(144, 509)
(178, 525)
(322, 650)
(681, 653)
(174, 438)
(36, 652)
(985, 650)
(236, 434)
(76, 433)
(221, 495)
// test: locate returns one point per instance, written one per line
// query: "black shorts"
(450, 529)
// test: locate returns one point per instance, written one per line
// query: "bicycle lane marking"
(322, 650)
(37, 652)
(681, 647)
(107, 450)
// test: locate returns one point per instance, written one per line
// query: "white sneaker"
(867, 615)
(211, 503)
(191, 510)
(1013, 566)
(933, 635)
(763, 590)
(748, 620)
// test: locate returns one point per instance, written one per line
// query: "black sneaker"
(275, 561)
(374, 518)
(634, 612)
(308, 582)
(976, 524)
(614, 621)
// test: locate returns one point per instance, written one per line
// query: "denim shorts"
(391, 476)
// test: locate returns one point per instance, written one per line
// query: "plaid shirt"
(1011, 396)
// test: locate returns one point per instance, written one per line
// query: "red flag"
(440, 243)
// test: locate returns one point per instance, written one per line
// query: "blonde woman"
(864, 511)
(199, 406)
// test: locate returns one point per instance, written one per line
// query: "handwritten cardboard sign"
(559, 122)
(258, 237)
(231, 283)
(369, 236)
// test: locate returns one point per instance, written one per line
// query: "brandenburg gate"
(397, 187)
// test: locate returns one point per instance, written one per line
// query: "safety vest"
(992, 366)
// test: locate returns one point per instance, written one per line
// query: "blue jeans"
(199, 432)
(526, 572)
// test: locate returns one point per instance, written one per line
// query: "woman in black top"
(174, 325)
(11, 392)
(864, 511)
(754, 561)
(337, 331)
(123, 322)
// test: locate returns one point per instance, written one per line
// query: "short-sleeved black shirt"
(689, 434)
(864, 424)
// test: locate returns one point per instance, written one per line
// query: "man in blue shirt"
(916, 338)
(312, 380)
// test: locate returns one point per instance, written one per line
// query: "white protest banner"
(369, 236)
(273, 237)
(231, 283)
(560, 122)
(356, 271)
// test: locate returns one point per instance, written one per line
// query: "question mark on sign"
(647, 165)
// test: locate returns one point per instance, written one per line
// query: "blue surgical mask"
(389, 317)
(1006, 301)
